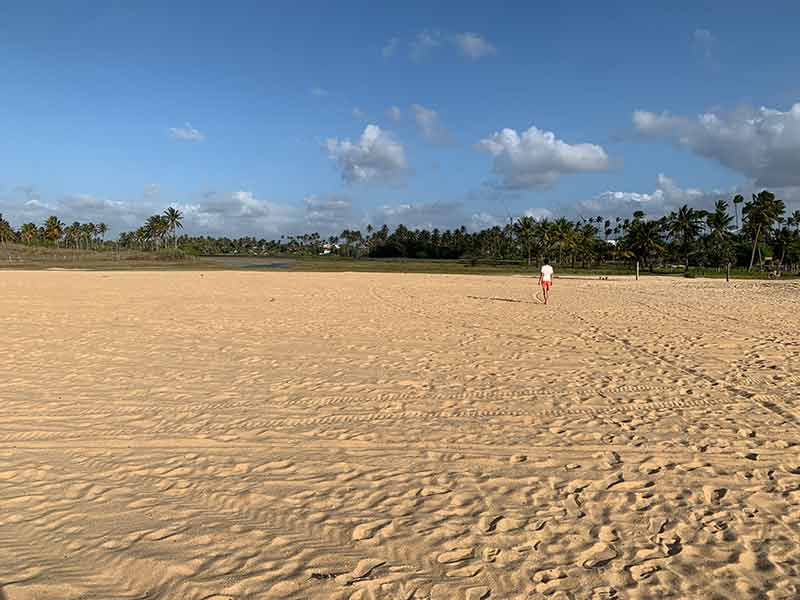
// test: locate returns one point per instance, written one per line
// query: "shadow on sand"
(502, 299)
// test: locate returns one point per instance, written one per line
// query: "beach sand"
(230, 435)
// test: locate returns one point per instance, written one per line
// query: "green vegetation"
(687, 241)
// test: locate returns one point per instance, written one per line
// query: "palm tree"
(53, 229)
(784, 238)
(794, 219)
(174, 219)
(525, 228)
(737, 200)
(759, 215)
(102, 229)
(155, 229)
(719, 226)
(643, 240)
(87, 232)
(6, 232)
(685, 225)
(563, 236)
(72, 234)
(28, 232)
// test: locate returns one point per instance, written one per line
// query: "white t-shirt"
(547, 273)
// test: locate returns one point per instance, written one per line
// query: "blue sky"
(266, 118)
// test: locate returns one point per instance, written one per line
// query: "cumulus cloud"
(332, 213)
(538, 158)
(394, 113)
(667, 197)
(429, 124)
(484, 220)
(473, 45)
(423, 43)
(703, 41)
(390, 48)
(375, 156)
(187, 133)
(763, 144)
(444, 215)
(539, 213)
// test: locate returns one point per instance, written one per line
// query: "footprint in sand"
(507, 524)
(362, 571)
(478, 593)
(487, 524)
(713, 495)
(454, 556)
(607, 534)
(368, 530)
(467, 571)
(642, 572)
(597, 556)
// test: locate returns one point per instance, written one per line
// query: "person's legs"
(545, 291)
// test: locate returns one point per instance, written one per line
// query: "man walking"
(546, 279)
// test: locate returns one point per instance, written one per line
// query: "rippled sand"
(229, 435)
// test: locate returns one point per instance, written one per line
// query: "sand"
(229, 435)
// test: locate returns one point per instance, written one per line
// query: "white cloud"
(240, 213)
(332, 213)
(762, 144)
(444, 215)
(188, 133)
(473, 45)
(538, 158)
(376, 156)
(423, 43)
(428, 122)
(390, 48)
(667, 196)
(394, 113)
(319, 92)
(484, 220)
(703, 41)
(359, 114)
(539, 213)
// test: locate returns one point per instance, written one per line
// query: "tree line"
(757, 234)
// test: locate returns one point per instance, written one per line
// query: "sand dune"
(229, 435)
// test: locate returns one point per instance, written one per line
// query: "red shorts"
(547, 284)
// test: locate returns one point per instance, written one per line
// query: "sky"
(279, 118)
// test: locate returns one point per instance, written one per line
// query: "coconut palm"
(737, 200)
(6, 232)
(53, 229)
(155, 229)
(759, 215)
(643, 240)
(525, 230)
(685, 225)
(174, 219)
(28, 232)
(719, 236)
(794, 220)
(87, 233)
(563, 236)
(102, 229)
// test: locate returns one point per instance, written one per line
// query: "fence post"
(728, 273)
(637, 270)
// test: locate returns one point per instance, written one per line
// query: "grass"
(18, 256)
